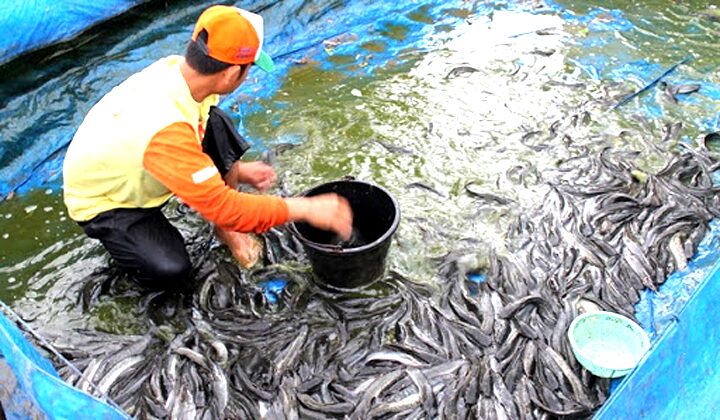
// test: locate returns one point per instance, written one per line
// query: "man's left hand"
(258, 175)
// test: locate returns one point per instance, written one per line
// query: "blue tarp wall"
(40, 383)
(27, 25)
(679, 377)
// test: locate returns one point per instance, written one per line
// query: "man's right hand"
(325, 211)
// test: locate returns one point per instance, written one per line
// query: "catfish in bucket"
(356, 239)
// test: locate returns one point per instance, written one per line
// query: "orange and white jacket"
(142, 143)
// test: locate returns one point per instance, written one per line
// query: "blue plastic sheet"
(40, 142)
(273, 288)
(41, 383)
(679, 377)
(31, 24)
(658, 310)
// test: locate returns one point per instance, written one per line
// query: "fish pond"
(561, 151)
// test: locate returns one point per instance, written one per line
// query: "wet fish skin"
(456, 71)
(577, 387)
(671, 91)
(118, 370)
(419, 337)
(511, 309)
(307, 413)
(425, 187)
(135, 348)
(450, 342)
(395, 407)
(636, 259)
(475, 191)
(184, 407)
(288, 357)
(671, 132)
(453, 395)
(156, 410)
(488, 315)
(529, 355)
(127, 387)
(86, 382)
(545, 53)
(220, 391)
(326, 409)
(512, 370)
(564, 317)
(374, 389)
(504, 397)
(522, 398)
(393, 148)
(193, 356)
(427, 395)
(577, 85)
(537, 147)
(393, 356)
(288, 399)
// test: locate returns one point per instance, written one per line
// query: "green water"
(444, 132)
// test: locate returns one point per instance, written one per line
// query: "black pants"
(145, 244)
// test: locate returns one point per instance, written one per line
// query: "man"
(142, 143)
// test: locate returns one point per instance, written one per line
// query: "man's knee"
(164, 272)
(145, 244)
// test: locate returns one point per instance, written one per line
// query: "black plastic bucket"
(360, 261)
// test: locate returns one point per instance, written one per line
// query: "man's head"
(226, 41)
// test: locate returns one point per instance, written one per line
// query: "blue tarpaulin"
(39, 381)
(31, 153)
(32, 24)
(679, 378)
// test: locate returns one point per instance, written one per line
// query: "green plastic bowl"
(607, 344)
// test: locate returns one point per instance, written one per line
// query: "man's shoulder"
(158, 71)
(153, 88)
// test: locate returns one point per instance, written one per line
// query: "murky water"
(378, 99)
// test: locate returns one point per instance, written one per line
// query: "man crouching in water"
(142, 143)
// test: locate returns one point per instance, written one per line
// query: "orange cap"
(235, 36)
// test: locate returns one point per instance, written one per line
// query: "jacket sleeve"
(175, 158)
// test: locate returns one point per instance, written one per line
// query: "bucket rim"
(337, 249)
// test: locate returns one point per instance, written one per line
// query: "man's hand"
(324, 211)
(246, 249)
(258, 175)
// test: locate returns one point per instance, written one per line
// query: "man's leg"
(145, 244)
